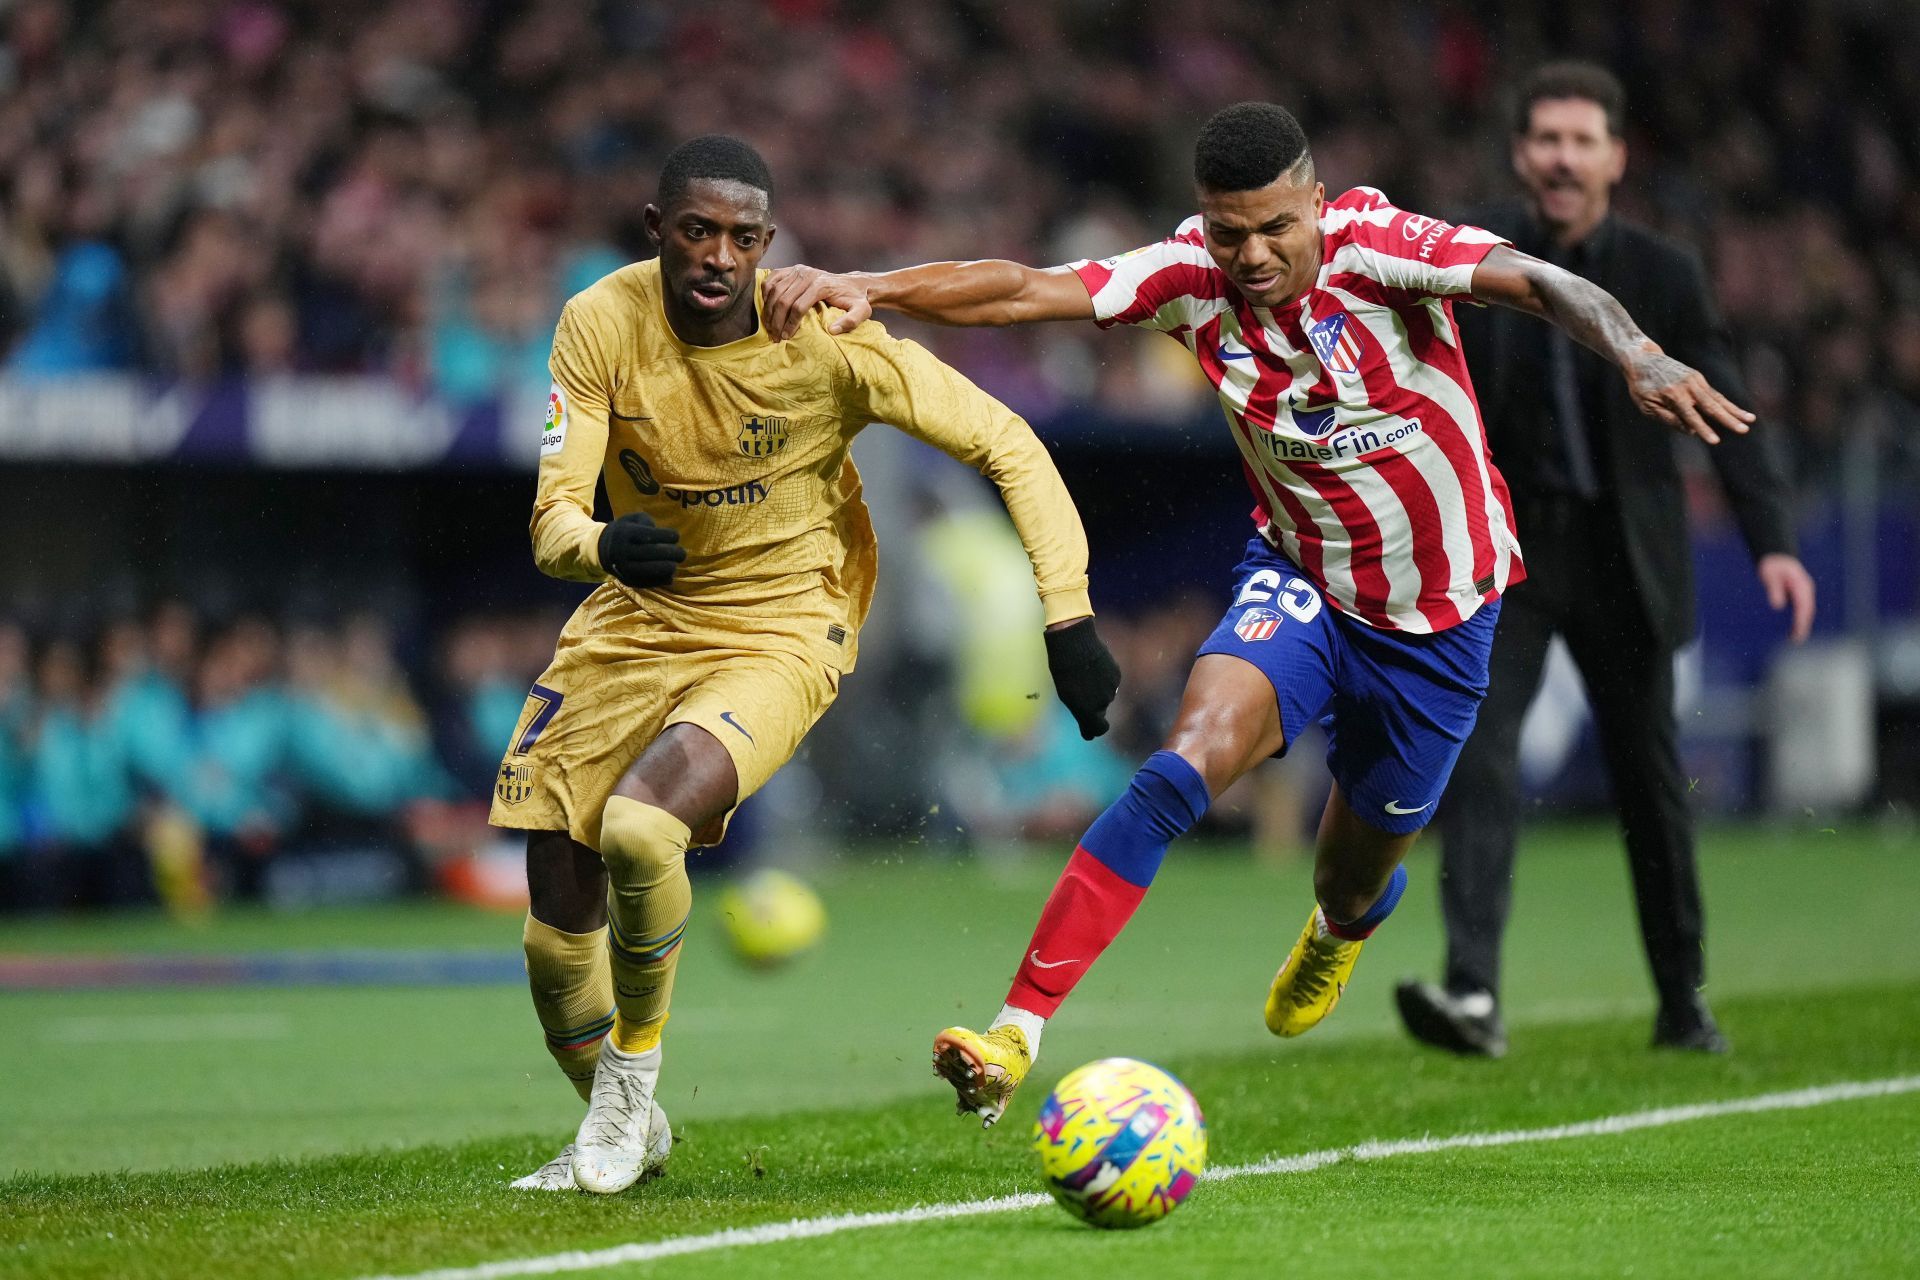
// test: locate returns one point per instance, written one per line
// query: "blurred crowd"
(171, 756)
(411, 188)
(211, 187)
(179, 759)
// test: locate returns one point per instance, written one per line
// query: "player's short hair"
(1587, 81)
(1248, 145)
(715, 157)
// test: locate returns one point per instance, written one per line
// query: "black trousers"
(1578, 586)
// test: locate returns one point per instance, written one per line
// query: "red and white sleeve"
(1404, 250)
(1169, 286)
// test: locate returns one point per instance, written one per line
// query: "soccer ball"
(771, 917)
(1121, 1143)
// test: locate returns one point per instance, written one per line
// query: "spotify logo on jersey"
(639, 472)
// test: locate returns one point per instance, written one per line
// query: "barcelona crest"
(762, 437)
(513, 783)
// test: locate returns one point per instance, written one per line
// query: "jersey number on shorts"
(549, 700)
(1297, 596)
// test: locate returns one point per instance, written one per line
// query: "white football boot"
(557, 1173)
(610, 1152)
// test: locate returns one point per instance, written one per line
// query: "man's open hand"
(791, 292)
(1788, 586)
(1665, 389)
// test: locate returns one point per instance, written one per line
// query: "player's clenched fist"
(1084, 674)
(639, 552)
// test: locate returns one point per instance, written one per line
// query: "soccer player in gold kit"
(733, 581)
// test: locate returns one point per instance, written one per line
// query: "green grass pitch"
(356, 1131)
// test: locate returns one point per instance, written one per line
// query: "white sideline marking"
(810, 1228)
(168, 1028)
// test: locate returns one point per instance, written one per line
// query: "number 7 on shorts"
(549, 700)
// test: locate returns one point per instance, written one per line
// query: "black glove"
(639, 552)
(1084, 673)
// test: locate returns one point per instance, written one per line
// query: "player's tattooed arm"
(989, 292)
(1662, 387)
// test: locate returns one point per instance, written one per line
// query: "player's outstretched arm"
(889, 380)
(1662, 387)
(989, 292)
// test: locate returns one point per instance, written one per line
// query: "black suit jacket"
(1664, 288)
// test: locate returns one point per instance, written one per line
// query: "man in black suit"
(1602, 519)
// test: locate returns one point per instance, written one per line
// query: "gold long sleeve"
(901, 384)
(566, 537)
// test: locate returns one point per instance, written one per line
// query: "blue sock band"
(1383, 906)
(1164, 800)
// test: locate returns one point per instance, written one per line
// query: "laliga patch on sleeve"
(1118, 258)
(554, 434)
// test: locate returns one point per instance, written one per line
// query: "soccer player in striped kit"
(1384, 535)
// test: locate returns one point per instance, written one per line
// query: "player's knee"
(641, 843)
(1217, 758)
(1341, 894)
(1222, 743)
(550, 948)
(566, 882)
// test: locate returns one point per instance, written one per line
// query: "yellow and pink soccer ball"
(771, 917)
(1121, 1143)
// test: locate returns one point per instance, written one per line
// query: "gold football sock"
(648, 899)
(572, 995)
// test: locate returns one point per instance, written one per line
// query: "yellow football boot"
(984, 1068)
(1312, 980)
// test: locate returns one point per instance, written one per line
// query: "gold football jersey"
(743, 449)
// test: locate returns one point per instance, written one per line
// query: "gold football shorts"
(618, 679)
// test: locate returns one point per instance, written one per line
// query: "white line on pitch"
(168, 1028)
(810, 1228)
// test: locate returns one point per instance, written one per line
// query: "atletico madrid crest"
(1257, 624)
(1338, 349)
(762, 437)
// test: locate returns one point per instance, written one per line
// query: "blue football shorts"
(1397, 705)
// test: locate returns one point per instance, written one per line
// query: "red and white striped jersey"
(1351, 406)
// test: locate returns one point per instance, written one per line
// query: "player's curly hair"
(717, 157)
(1248, 145)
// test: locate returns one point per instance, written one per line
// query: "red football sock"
(1087, 909)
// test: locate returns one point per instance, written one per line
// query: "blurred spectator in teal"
(499, 290)
(83, 795)
(1046, 783)
(16, 711)
(84, 323)
(58, 259)
(491, 336)
(486, 688)
(146, 707)
(357, 739)
(236, 791)
(383, 704)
